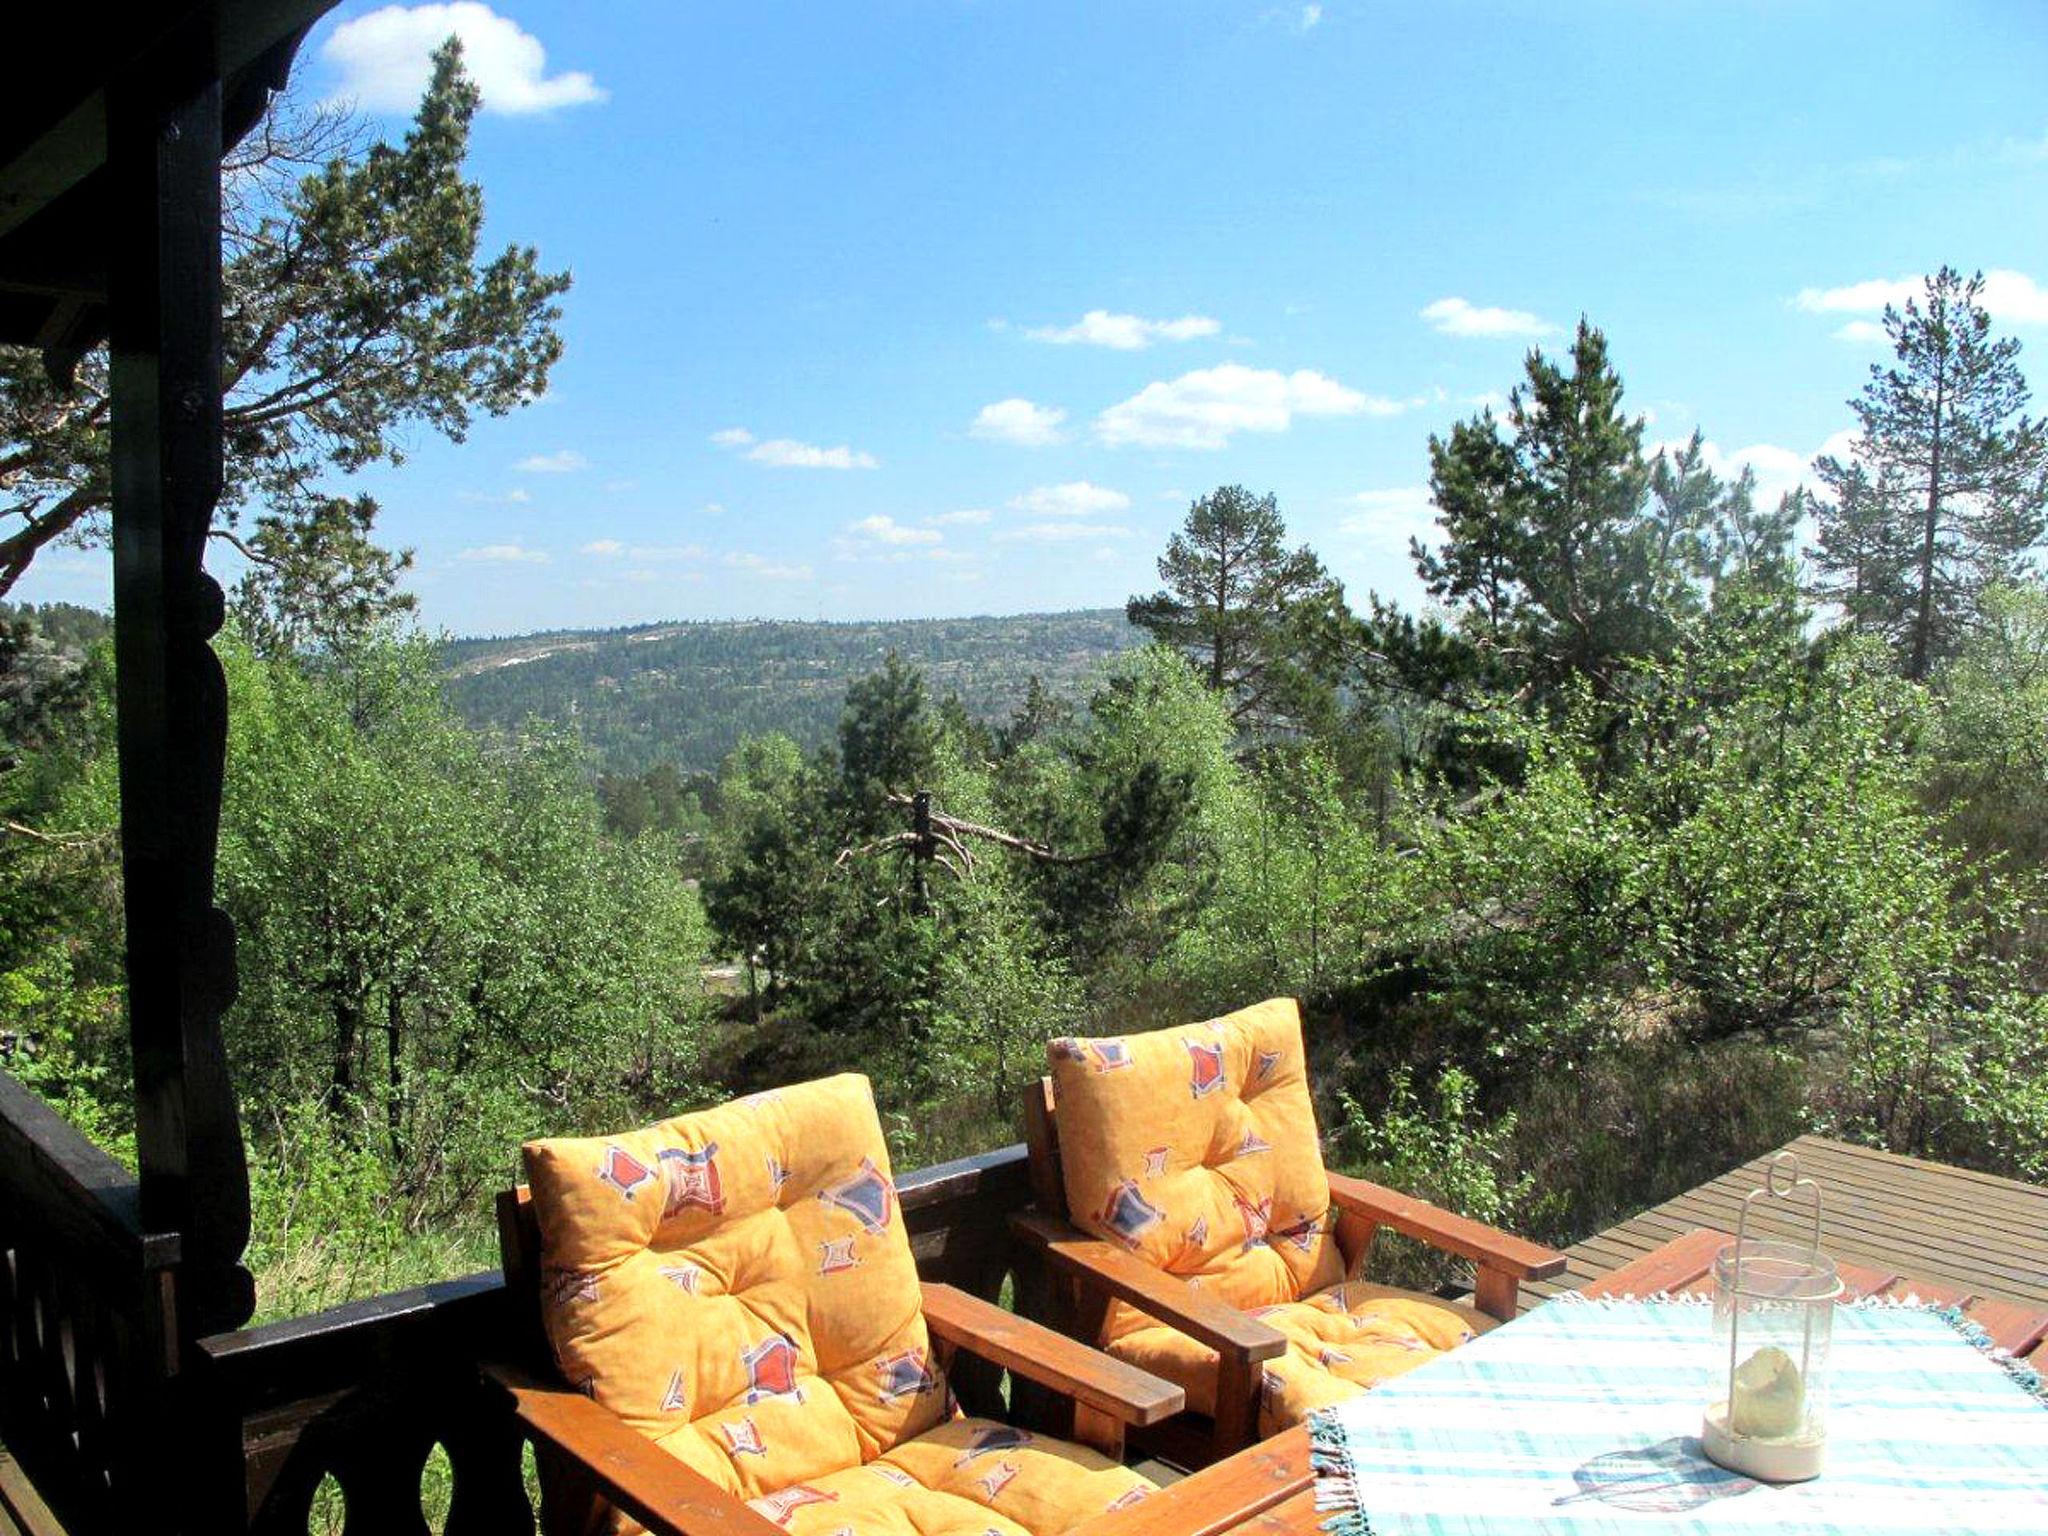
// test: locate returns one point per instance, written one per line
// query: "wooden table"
(1269, 1490)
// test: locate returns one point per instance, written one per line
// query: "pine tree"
(1555, 558)
(1262, 624)
(1946, 491)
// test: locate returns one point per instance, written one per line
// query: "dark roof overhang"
(57, 219)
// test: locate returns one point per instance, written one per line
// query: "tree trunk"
(1923, 623)
(348, 1028)
(394, 1094)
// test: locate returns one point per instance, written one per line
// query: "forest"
(682, 696)
(1670, 826)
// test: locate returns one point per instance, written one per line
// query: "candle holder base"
(1796, 1458)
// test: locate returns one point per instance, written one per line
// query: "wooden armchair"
(598, 1458)
(1200, 1243)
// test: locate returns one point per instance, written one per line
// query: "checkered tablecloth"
(1584, 1416)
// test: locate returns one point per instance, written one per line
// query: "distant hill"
(687, 693)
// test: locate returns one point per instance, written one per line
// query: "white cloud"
(1872, 295)
(1391, 517)
(1862, 332)
(1461, 317)
(1311, 17)
(384, 59)
(618, 486)
(886, 530)
(562, 462)
(1076, 498)
(766, 569)
(788, 453)
(1124, 333)
(505, 554)
(1061, 533)
(514, 497)
(643, 554)
(1205, 408)
(966, 516)
(1020, 422)
(2010, 296)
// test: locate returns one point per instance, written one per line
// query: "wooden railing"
(365, 1392)
(88, 1342)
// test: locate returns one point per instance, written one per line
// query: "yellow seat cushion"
(1340, 1341)
(965, 1478)
(737, 1285)
(1196, 1148)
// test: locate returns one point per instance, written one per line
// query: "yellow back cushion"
(738, 1285)
(1196, 1148)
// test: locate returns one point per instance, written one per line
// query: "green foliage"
(435, 934)
(1443, 1150)
(441, 954)
(1991, 744)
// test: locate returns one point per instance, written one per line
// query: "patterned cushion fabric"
(737, 1285)
(1197, 1149)
(965, 1478)
(1340, 1341)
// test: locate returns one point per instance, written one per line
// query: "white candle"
(1767, 1398)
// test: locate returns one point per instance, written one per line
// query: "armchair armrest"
(1035, 1352)
(628, 1469)
(1217, 1324)
(1486, 1246)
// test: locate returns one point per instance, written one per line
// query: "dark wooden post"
(164, 294)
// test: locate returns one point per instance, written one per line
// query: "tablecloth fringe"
(1337, 1495)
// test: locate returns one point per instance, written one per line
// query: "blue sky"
(942, 308)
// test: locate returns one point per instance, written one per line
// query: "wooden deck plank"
(1918, 1167)
(1915, 1239)
(2013, 1327)
(1668, 1270)
(1853, 1209)
(1852, 1206)
(1956, 1234)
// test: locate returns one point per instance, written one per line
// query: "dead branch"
(54, 839)
(956, 829)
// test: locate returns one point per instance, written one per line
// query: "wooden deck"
(1982, 1235)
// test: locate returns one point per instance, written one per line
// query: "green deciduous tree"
(357, 309)
(1946, 490)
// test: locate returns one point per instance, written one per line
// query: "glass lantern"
(1774, 1310)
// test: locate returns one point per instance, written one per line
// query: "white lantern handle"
(1782, 1181)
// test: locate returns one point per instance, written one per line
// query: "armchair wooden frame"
(590, 1458)
(1083, 1274)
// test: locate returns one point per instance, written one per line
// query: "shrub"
(1441, 1150)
